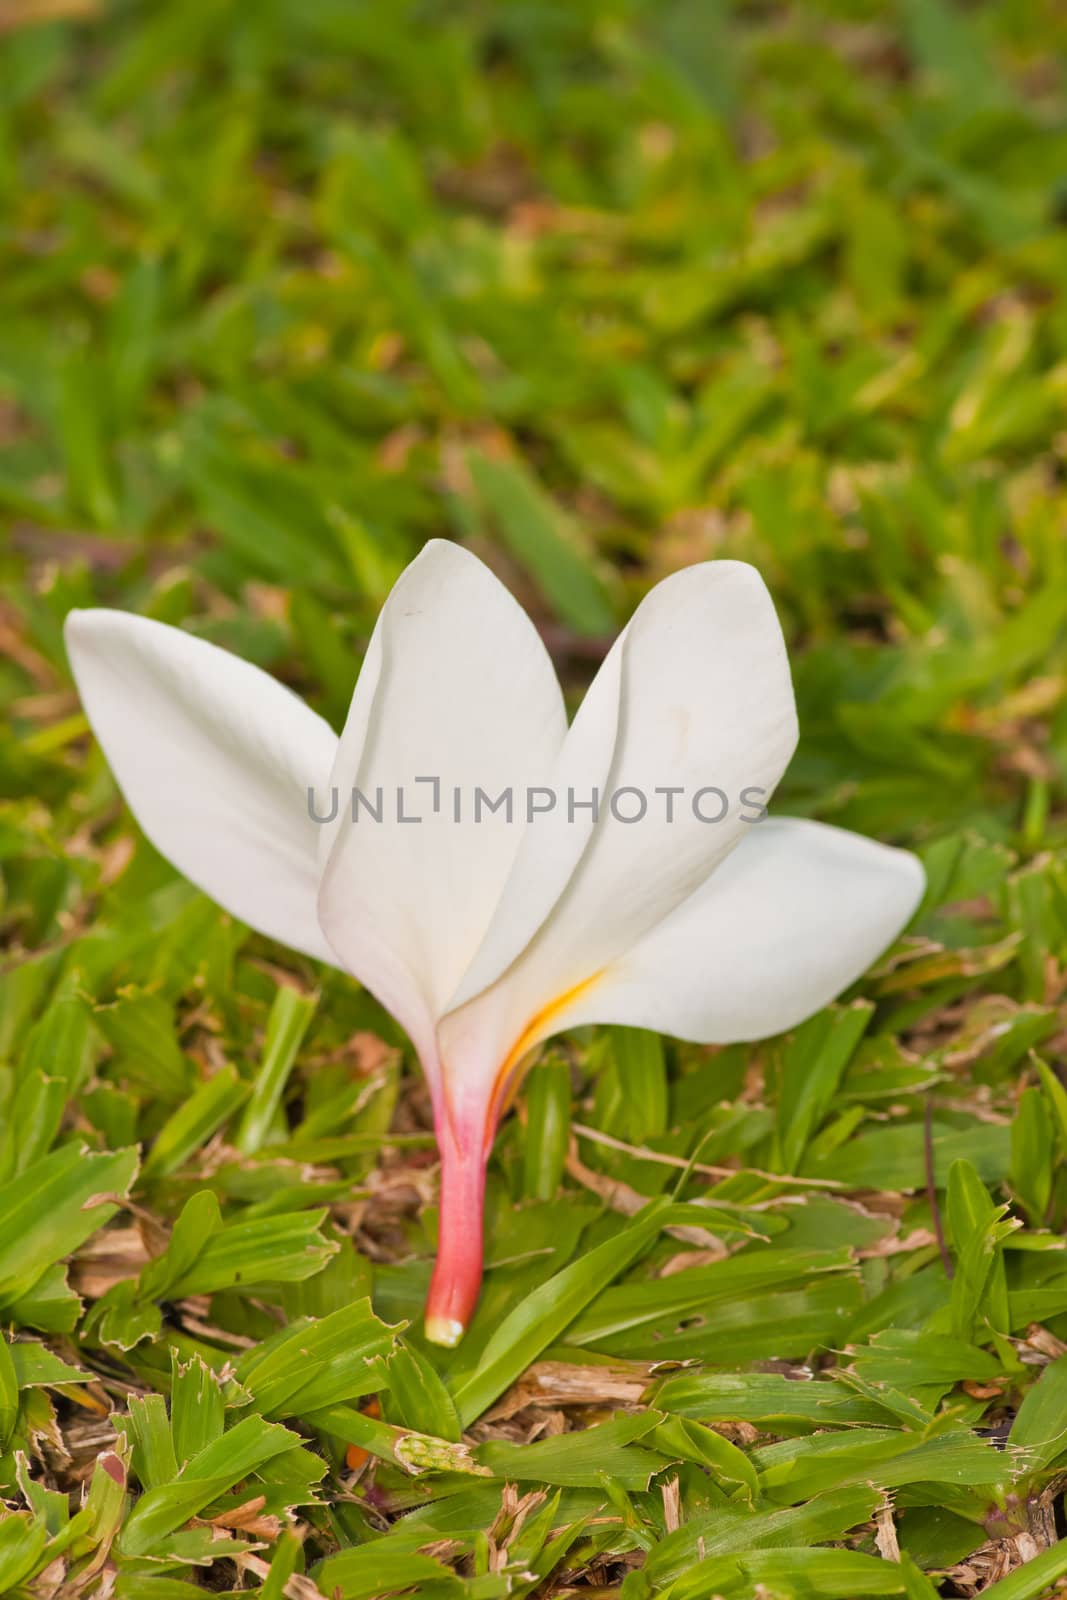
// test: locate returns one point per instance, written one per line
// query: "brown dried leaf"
(672, 1505)
(548, 1384)
(885, 1533)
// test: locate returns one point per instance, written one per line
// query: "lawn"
(599, 288)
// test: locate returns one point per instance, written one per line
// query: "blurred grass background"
(600, 288)
(603, 289)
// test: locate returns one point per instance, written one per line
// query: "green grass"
(600, 287)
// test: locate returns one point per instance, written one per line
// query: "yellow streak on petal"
(505, 1084)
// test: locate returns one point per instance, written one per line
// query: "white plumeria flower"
(483, 937)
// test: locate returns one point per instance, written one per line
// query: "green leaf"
(685, 1293)
(285, 1560)
(9, 1394)
(85, 443)
(147, 1427)
(587, 1458)
(53, 1066)
(418, 1398)
(22, 1542)
(729, 1530)
(197, 1410)
(548, 1122)
(1033, 1139)
(1056, 1095)
(196, 1225)
(550, 1308)
(52, 1208)
(893, 1158)
(1040, 1425)
(105, 1502)
(775, 1404)
(205, 1255)
(59, 1045)
(917, 1585)
(290, 1018)
(890, 1457)
(193, 1123)
(642, 1074)
(368, 1571)
(236, 1454)
(902, 1356)
(120, 1320)
(692, 1441)
(139, 1025)
(976, 1229)
(830, 1574)
(36, 1366)
(812, 1064)
(35, 1117)
(314, 1364)
(539, 537)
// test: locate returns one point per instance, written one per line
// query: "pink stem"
(457, 1273)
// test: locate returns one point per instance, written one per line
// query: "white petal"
(215, 759)
(695, 694)
(793, 916)
(458, 687)
(556, 838)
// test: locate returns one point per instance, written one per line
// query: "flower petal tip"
(444, 1330)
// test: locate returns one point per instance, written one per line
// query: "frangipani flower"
(484, 934)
